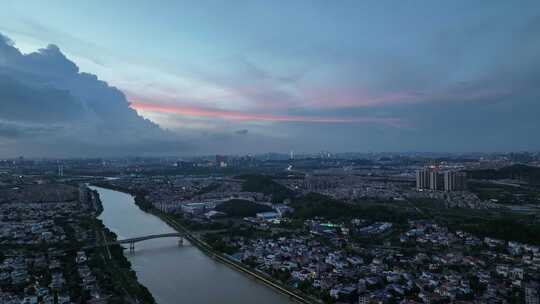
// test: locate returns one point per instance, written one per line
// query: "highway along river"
(173, 274)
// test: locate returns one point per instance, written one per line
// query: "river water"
(173, 274)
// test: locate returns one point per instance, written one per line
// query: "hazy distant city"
(269, 152)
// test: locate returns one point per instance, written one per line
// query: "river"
(173, 274)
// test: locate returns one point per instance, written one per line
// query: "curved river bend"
(176, 274)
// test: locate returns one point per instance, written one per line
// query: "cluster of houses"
(23, 279)
(31, 232)
(88, 281)
(345, 187)
(456, 199)
(428, 264)
(33, 223)
(37, 240)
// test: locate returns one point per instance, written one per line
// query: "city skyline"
(112, 79)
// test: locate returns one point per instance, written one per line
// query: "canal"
(174, 274)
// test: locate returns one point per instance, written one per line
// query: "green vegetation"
(497, 223)
(521, 172)
(99, 207)
(505, 194)
(209, 188)
(241, 208)
(143, 203)
(217, 243)
(505, 228)
(197, 225)
(265, 184)
(318, 205)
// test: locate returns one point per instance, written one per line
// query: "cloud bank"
(49, 108)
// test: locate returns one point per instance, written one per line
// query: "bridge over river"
(133, 240)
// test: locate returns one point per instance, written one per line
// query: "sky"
(101, 78)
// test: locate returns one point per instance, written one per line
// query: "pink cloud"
(247, 116)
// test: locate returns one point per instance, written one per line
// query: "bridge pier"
(180, 241)
(132, 247)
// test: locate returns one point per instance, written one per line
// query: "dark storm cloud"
(9, 130)
(43, 93)
(20, 102)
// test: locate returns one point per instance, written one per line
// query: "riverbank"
(209, 251)
(115, 266)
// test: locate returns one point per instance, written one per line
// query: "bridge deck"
(143, 238)
(149, 237)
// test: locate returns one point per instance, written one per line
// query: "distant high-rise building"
(422, 179)
(61, 170)
(221, 161)
(455, 181)
(436, 180)
(429, 178)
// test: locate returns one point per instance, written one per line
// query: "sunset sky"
(257, 76)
